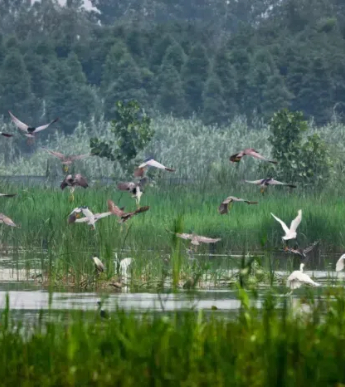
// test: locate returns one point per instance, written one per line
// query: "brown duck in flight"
(77, 181)
(227, 203)
(302, 252)
(236, 158)
(136, 189)
(121, 214)
(6, 220)
(66, 161)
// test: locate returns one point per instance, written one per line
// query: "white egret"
(297, 278)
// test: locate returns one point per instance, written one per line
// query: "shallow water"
(27, 298)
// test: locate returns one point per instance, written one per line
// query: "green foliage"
(306, 161)
(289, 342)
(132, 130)
(194, 81)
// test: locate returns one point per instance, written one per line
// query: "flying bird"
(297, 278)
(66, 161)
(6, 134)
(7, 195)
(140, 171)
(6, 220)
(227, 203)
(136, 189)
(302, 252)
(264, 183)
(290, 233)
(99, 267)
(195, 240)
(121, 214)
(89, 217)
(77, 181)
(340, 263)
(236, 158)
(30, 131)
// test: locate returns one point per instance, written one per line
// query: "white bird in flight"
(89, 217)
(290, 233)
(297, 278)
(139, 172)
(340, 263)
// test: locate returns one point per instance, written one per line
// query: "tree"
(15, 87)
(170, 93)
(132, 131)
(226, 75)
(175, 55)
(126, 84)
(301, 161)
(215, 109)
(194, 75)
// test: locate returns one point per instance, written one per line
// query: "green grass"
(272, 346)
(42, 215)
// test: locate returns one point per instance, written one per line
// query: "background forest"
(215, 68)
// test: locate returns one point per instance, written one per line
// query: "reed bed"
(285, 343)
(46, 242)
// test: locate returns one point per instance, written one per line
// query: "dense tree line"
(214, 59)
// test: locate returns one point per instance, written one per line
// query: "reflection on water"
(16, 280)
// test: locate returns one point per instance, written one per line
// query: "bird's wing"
(340, 263)
(223, 208)
(139, 172)
(127, 186)
(82, 220)
(114, 209)
(80, 180)
(141, 209)
(311, 247)
(63, 184)
(184, 236)
(102, 215)
(295, 223)
(6, 134)
(236, 157)
(257, 155)
(156, 164)
(276, 182)
(293, 282)
(285, 227)
(78, 157)
(203, 239)
(5, 219)
(56, 154)
(257, 182)
(19, 124)
(8, 195)
(304, 278)
(42, 127)
(87, 212)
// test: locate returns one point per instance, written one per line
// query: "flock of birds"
(136, 188)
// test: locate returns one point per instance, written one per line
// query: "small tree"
(305, 161)
(132, 131)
